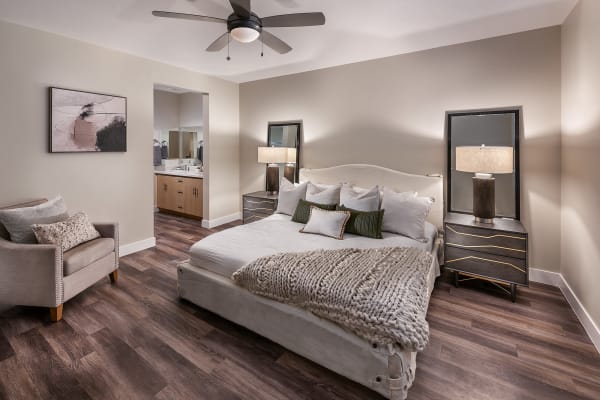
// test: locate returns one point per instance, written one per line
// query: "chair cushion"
(86, 253)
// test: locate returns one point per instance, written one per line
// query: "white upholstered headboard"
(365, 175)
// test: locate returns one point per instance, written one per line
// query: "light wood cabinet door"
(193, 196)
(165, 192)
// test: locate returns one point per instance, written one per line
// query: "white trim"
(211, 223)
(130, 248)
(545, 277)
(558, 280)
(584, 317)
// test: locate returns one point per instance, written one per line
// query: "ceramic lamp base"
(273, 178)
(484, 199)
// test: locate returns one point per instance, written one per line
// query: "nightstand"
(258, 205)
(493, 252)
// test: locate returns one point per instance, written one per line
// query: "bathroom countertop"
(183, 174)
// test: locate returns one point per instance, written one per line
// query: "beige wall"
(109, 186)
(580, 261)
(391, 112)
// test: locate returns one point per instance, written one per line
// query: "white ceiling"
(355, 30)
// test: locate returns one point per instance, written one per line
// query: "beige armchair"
(42, 275)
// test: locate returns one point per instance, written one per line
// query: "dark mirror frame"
(517, 115)
(298, 137)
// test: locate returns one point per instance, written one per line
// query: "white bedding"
(225, 252)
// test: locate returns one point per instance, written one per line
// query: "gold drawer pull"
(484, 246)
(258, 208)
(486, 259)
(484, 237)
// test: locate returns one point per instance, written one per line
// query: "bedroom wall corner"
(580, 181)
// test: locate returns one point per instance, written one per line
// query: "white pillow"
(360, 199)
(327, 223)
(405, 214)
(289, 196)
(323, 194)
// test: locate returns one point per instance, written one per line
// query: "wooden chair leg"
(114, 276)
(56, 313)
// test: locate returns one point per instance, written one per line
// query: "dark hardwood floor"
(136, 340)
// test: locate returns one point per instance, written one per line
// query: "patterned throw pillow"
(67, 234)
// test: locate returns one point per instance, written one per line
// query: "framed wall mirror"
(286, 134)
(489, 128)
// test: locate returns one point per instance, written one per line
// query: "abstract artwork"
(87, 122)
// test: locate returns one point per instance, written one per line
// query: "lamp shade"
(272, 155)
(484, 159)
(291, 155)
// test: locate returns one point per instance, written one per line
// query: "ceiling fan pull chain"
(228, 36)
(262, 45)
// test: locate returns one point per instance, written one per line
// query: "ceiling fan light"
(244, 34)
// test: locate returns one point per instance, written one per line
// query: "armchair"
(42, 275)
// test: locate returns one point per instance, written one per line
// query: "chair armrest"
(31, 274)
(108, 229)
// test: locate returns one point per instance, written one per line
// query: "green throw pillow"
(364, 223)
(303, 210)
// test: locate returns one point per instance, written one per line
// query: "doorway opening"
(180, 152)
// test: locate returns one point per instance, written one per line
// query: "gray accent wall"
(580, 232)
(108, 186)
(391, 112)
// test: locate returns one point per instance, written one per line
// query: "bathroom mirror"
(286, 135)
(183, 144)
(490, 128)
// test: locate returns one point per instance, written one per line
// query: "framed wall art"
(87, 122)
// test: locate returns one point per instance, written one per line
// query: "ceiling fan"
(245, 26)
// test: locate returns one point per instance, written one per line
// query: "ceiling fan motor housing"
(252, 22)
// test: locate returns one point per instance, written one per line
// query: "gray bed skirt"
(328, 344)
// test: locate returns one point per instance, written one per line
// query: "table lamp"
(484, 161)
(272, 156)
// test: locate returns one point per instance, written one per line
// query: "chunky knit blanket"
(378, 294)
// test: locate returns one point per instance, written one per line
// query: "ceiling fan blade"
(192, 17)
(220, 43)
(241, 7)
(275, 43)
(300, 19)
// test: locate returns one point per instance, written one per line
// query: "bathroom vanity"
(179, 192)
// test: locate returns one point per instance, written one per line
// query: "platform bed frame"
(377, 367)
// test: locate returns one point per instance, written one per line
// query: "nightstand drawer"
(251, 216)
(507, 269)
(262, 206)
(486, 240)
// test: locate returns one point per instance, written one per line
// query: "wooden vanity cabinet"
(182, 195)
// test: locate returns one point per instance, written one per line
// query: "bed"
(205, 279)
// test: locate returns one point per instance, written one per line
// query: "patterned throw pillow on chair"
(67, 234)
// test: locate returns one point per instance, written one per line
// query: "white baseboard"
(586, 320)
(211, 223)
(130, 248)
(558, 280)
(545, 277)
